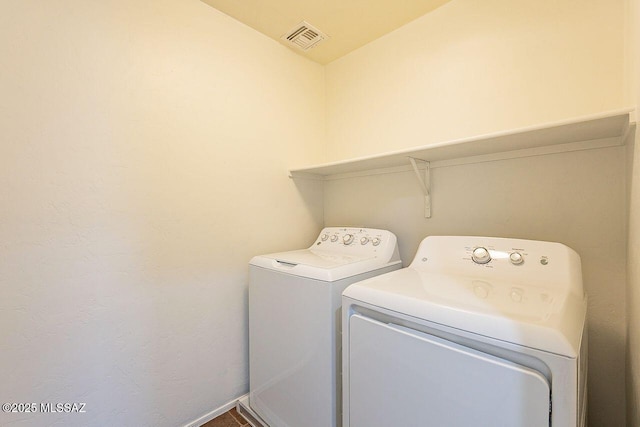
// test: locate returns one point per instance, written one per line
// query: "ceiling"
(348, 23)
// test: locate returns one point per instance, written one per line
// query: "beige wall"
(475, 67)
(471, 68)
(633, 245)
(143, 162)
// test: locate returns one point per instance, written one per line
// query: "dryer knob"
(375, 241)
(324, 237)
(516, 258)
(364, 240)
(334, 238)
(480, 255)
(347, 239)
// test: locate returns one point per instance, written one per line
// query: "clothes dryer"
(477, 331)
(295, 320)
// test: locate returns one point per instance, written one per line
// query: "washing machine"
(477, 331)
(295, 321)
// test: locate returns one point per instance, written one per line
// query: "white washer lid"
(319, 265)
(532, 316)
(337, 253)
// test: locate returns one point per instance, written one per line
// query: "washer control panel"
(356, 241)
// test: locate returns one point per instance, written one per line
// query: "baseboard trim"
(216, 412)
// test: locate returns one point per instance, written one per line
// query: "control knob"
(347, 239)
(516, 258)
(324, 237)
(376, 241)
(480, 255)
(334, 238)
(364, 240)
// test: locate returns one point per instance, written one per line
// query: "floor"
(228, 419)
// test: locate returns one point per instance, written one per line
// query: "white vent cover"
(304, 36)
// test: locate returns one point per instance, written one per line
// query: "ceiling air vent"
(304, 36)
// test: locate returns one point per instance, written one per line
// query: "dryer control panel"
(517, 261)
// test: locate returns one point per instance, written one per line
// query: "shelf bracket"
(425, 184)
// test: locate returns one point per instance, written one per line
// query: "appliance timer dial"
(347, 239)
(480, 255)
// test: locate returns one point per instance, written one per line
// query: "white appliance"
(483, 332)
(295, 321)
